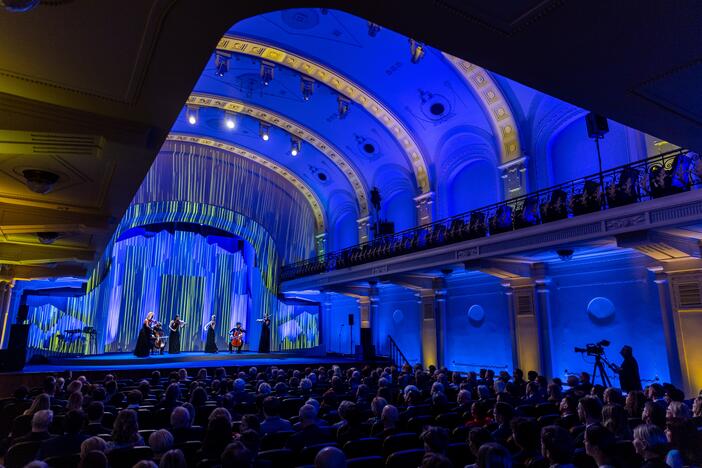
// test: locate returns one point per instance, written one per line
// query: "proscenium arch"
(496, 107)
(342, 85)
(305, 190)
(291, 126)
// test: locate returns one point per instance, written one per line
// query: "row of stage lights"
(264, 129)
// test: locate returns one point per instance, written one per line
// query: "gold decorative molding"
(496, 105)
(344, 86)
(294, 128)
(312, 199)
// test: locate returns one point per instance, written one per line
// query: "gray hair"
(264, 388)
(180, 418)
(41, 420)
(651, 435)
(92, 444)
(308, 412)
(161, 441)
(390, 414)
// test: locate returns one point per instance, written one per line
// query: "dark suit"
(66, 444)
(309, 435)
(94, 429)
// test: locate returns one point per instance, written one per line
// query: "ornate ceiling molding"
(495, 104)
(289, 125)
(344, 86)
(312, 199)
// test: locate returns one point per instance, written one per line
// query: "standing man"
(629, 378)
(236, 338)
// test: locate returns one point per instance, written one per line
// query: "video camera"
(596, 349)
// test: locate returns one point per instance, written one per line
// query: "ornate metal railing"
(662, 175)
(397, 357)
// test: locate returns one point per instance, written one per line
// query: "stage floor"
(125, 361)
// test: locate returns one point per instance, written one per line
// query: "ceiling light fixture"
(307, 87)
(47, 237)
(39, 181)
(416, 50)
(191, 114)
(373, 29)
(221, 63)
(229, 121)
(267, 69)
(295, 145)
(264, 131)
(344, 104)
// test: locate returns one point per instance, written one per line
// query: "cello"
(237, 338)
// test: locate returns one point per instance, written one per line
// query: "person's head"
(435, 460)
(75, 401)
(173, 459)
(219, 431)
(251, 441)
(682, 435)
(41, 420)
(436, 439)
(525, 433)
(307, 414)
(377, 405)
(556, 445)
(600, 444)
(93, 459)
(20, 392)
(236, 455)
(126, 427)
(40, 402)
(239, 385)
(678, 410)
(220, 413)
(134, 397)
(73, 421)
(493, 455)
(390, 416)
(198, 397)
(463, 397)
(634, 403)
(74, 386)
(250, 422)
(650, 441)
(330, 457)
(503, 413)
(626, 351)
(272, 407)
(477, 437)
(653, 414)
(612, 395)
(161, 441)
(180, 418)
(568, 405)
(589, 409)
(697, 407)
(92, 444)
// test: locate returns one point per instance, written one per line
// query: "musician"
(236, 331)
(157, 340)
(174, 335)
(628, 371)
(264, 344)
(210, 345)
(143, 344)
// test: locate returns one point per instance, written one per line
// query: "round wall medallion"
(301, 18)
(600, 308)
(397, 316)
(476, 314)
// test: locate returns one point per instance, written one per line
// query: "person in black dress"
(240, 331)
(143, 344)
(174, 335)
(264, 344)
(210, 345)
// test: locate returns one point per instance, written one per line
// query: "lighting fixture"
(264, 131)
(307, 87)
(191, 114)
(343, 105)
(229, 121)
(416, 51)
(266, 72)
(295, 146)
(221, 63)
(18, 6)
(373, 29)
(39, 181)
(47, 237)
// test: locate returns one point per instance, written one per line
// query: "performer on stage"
(236, 338)
(174, 335)
(210, 345)
(264, 344)
(158, 341)
(143, 344)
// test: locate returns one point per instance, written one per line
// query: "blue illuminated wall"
(398, 316)
(636, 320)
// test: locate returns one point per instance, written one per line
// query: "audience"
(486, 420)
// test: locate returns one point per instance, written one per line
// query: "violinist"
(174, 335)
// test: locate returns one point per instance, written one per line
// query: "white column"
(514, 177)
(424, 205)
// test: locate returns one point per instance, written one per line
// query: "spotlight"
(47, 237)
(416, 51)
(343, 105)
(18, 6)
(307, 87)
(229, 121)
(565, 254)
(221, 63)
(191, 114)
(373, 29)
(39, 181)
(295, 146)
(264, 131)
(266, 72)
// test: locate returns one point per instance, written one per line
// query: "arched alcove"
(473, 186)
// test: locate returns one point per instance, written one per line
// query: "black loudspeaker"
(597, 125)
(351, 319)
(367, 347)
(15, 356)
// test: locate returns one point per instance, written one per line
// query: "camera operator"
(629, 378)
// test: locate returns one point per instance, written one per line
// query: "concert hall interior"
(415, 190)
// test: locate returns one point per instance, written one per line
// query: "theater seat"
(63, 461)
(20, 454)
(401, 441)
(459, 453)
(308, 453)
(283, 458)
(275, 440)
(129, 456)
(368, 446)
(365, 462)
(405, 458)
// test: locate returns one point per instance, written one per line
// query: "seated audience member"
(615, 418)
(40, 402)
(310, 433)
(41, 421)
(525, 435)
(532, 395)
(479, 415)
(125, 431)
(503, 413)
(493, 455)
(160, 441)
(330, 457)
(376, 406)
(94, 459)
(181, 428)
(273, 422)
(75, 402)
(590, 410)
(697, 407)
(389, 419)
(568, 410)
(477, 437)
(435, 439)
(463, 403)
(173, 459)
(236, 455)
(678, 410)
(685, 443)
(556, 446)
(651, 445)
(634, 403)
(94, 414)
(92, 444)
(251, 440)
(600, 444)
(71, 439)
(217, 436)
(654, 414)
(250, 422)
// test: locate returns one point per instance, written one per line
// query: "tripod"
(600, 361)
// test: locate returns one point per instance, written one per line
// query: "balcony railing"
(655, 177)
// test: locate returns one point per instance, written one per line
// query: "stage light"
(264, 131)
(416, 50)
(267, 69)
(295, 146)
(307, 87)
(191, 114)
(343, 105)
(221, 63)
(229, 121)
(373, 29)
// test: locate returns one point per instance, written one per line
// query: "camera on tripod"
(594, 349)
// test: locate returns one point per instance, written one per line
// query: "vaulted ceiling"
(89, 91)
